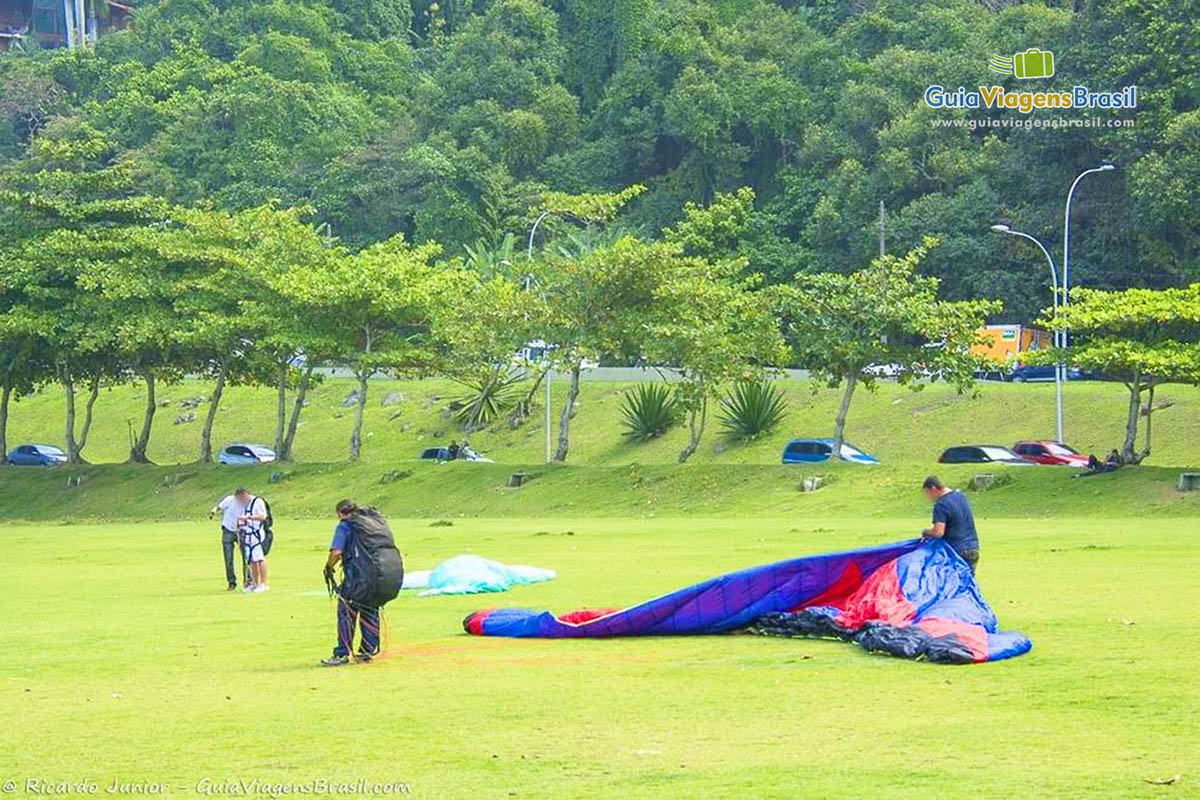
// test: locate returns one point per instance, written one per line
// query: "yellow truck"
(1003, 344)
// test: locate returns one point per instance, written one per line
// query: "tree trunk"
(5, 395)
(286, 453)
(564, 420)
(280, 405)
(695, 430)
(137, 455)
(1128, 456)
(839, 425)
(522, 409)
(1148, 413)
(77, 455)
(356, 434)
(214, 402)
(68, 382)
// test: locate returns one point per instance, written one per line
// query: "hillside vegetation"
(606, 475)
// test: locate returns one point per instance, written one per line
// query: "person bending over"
(953, 520)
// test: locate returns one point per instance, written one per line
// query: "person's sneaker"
(249, 588)
(262, 587)
(365, 658)
(232, 587)
(335, 661)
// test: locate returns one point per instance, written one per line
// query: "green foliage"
(1141, 337)
(648, 411)
(752, 409)
(491, 395)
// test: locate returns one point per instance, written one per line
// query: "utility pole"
(882, 230)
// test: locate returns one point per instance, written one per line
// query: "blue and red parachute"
(916, 599)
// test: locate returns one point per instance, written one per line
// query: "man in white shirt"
(230, 510)
(250, 530)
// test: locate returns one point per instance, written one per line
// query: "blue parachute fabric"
(470, 574)
(912, 598)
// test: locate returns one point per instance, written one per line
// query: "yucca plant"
(752, 409)
(648, 411)
(491, 395)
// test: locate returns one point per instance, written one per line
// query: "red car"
(1045, 452)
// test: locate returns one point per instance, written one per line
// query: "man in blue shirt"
(350, 615)
(953, 520)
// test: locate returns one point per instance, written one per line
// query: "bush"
(490, 396)
(648, 411)
(752, 409)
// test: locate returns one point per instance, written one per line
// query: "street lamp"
(1058, 368)
(1067, 237)
(549, 377)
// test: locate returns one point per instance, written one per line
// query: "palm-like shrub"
(648, 411)
(491, 394)
(752, 409)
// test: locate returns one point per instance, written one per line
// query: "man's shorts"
(253, 548)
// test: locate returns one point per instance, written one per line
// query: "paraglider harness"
(265, 534)
(372, 570)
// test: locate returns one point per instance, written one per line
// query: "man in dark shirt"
(953, 521)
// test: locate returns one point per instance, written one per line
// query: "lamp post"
(549, 376)
(1066, 300)
(1058, 368)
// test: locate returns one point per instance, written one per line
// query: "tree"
(1141, 337)
(593, 303)
(378, 304)
(65, 211)
(708, 322)
(478, 332)
(840, 326)
(710, 325)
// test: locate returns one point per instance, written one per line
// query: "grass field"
(123, 657)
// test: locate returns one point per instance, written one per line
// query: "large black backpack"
(371, 566)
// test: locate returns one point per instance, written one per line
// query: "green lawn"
(122, 656)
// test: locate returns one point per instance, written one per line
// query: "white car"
(239, 453)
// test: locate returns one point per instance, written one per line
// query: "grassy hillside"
(901, 427)
(606, 476)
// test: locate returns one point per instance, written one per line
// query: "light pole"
(1058, 368)
(1066, 300)
(549, 377)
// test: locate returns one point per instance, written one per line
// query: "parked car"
(886, 371)
(1047, 452)
(1043, 373)
(239, 453)
(36, 455)
(810, 451)
(981, 454)
(443, 454)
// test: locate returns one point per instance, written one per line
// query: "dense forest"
(443, 120)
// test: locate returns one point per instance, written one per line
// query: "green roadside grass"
(122, 657)
(899, 426)
(458, 490)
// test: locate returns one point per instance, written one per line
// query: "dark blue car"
(36, 455)
(810, 451)
(1043, 373)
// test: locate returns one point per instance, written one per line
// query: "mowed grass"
(123, 657)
